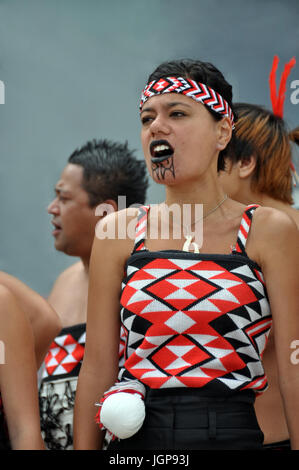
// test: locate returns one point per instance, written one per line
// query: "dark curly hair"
(110, 169)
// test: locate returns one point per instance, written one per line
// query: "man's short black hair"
(110, 169)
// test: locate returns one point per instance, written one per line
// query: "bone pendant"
(187, 244)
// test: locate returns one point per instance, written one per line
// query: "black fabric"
(4, 438)
(185, 419)
(281, 445)
(57, 434)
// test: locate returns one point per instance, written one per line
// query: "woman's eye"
(177, 114)
(146, 119)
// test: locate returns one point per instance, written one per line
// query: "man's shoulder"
(69, 275)
(69, 293)
(72, 270)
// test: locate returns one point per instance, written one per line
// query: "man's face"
(73, 219)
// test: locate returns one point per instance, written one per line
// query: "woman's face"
(179, 138)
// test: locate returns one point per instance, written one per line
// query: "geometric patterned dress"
(59, 383)
(58, 387)
(195, 319)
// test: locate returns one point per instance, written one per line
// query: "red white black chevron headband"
(198, 91)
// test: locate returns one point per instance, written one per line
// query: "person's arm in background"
(44, 320)
(18, 378)
(101, 359)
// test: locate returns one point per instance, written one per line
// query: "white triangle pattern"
(154, 374)
(215, 364)
(245, 271)
(180, 294)
(177, 364)
(180, 322)
(155, 306)
(158, 273)
(185, 263)
(179, 350)
(207, 274)
(182, 283)
(173, 382)
(202, 339)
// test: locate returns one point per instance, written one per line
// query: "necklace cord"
(189, 238)
(208, 213)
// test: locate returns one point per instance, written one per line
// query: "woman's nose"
(159, 125)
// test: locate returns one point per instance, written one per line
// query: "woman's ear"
(246, 166)
(224, 133)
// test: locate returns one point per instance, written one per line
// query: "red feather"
(278, 101)
(282, 88)
(272, 82)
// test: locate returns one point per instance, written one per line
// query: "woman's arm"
(44, 320)
(100, 364)
(18, 378)
(279, 254)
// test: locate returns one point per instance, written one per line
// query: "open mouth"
(57, 228)
(160, 150)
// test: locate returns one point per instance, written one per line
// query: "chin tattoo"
(162, 159)
(161, 166)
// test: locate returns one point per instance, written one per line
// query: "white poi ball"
(123, 414)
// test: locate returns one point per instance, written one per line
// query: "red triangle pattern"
(59, 360)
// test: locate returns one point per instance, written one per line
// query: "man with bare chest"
(97, 173)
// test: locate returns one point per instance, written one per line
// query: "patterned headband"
(198, 91)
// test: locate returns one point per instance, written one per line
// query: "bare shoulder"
(294, 213)
(270, 221)
(70, 272)
(116, 231)
(274, 233)
(115, 225)
(16, 317)
(5, 296)
(30, 300)
(12, 282)
(65, 278)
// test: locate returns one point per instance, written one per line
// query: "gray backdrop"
(73, 70)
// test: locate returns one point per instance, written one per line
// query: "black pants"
(185, 419)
